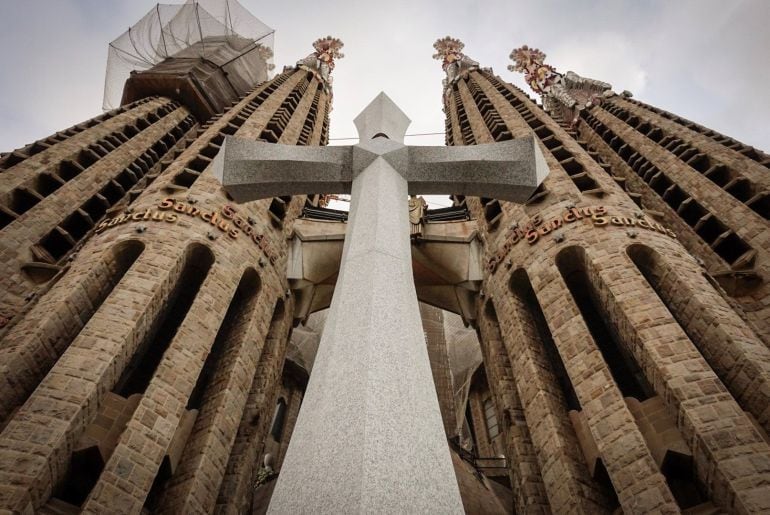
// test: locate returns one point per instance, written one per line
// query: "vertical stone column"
(245, 456)
(293, 405)
(34, 445)
(528, 488)
(689, 387)
(128, 475)
(565, 475)
(635, 476)
(369, 437)
(195, 484)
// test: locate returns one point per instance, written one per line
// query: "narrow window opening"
(47, 184)
(138, 373)
(677, 469)
(233, 328)
(623, 368)
(279, 420)
(490, 417)
(77, 224)
(68, 170)
(57, 244)
(86, 465)
(521, 288)
(23, 199)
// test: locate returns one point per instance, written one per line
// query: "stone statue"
(266, 472)
(564, 95)
(417, 207)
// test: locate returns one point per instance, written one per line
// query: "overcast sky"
(704, 60)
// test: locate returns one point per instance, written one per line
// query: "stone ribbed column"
(244, 459)
(681, 376)
(635, 476)
(433, 322)
(195, 484)
(528, 488)
(129, 473)
(566, 478)
(34, 445)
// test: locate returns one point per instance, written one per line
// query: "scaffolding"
(195, 30)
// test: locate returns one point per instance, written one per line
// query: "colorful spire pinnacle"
(530, 61)
(567, 93)
(453, 61)
(321, 62)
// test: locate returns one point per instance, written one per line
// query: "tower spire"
(564, 93)
(454, 62)
(321, 61)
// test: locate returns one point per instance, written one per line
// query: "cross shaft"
(369, 437)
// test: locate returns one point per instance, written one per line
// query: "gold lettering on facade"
(226, 220)
(598, 216)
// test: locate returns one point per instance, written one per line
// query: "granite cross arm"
(369, 437)
(252, 170)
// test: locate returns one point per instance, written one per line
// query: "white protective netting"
(168, 30)
(305, 339)
(464, 359)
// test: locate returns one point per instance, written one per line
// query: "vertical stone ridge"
(479, 104)
(184, 206)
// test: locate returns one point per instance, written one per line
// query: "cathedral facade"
(155, 335)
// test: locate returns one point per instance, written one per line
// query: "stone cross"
(369, 437)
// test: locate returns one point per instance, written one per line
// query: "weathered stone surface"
(509, 170)
(370, 376)
(252, 170)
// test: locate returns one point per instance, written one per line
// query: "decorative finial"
(454, 62)
(266, 53)
(530, 61)
(328, 49)
(567, 93)
(524, 57)
(448, 50)
(321, 62)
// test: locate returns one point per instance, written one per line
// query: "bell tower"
(591, 308)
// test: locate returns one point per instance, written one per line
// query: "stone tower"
(146, 317)
(150, 327)
(621, 374)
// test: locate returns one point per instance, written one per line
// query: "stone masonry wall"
(182, 210)
(573, 223)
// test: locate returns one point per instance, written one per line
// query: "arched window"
(490, 417)
(138, 373)
(233, 330)
(573, 266)
(279, 418)
(537, 327)
(60, 324)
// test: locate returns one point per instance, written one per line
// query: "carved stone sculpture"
(563, 95)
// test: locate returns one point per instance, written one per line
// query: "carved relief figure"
(417, 208)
